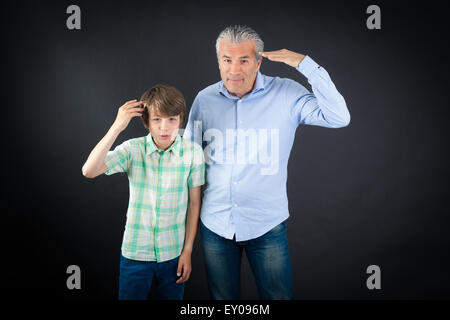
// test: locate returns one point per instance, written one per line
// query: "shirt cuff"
(307, 66)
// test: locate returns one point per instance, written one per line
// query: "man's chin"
(234, 90)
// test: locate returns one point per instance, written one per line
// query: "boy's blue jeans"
(136, 277)
(269, 260)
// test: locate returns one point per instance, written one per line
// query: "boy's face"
(164, 129)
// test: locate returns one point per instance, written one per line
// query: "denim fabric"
(136, 277)
(269, 260)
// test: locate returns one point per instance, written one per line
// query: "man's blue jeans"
(136, 277)
(269, 260)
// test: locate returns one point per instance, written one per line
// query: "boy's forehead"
(155, 112)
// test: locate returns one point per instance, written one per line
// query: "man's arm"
(325, 106)
(95, 164)
(193, 213)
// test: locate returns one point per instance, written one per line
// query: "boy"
(165, 173)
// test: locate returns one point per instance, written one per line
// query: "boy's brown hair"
(165, 99)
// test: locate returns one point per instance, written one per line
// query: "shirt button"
(234, 182)
(235, 205)
(240, 121)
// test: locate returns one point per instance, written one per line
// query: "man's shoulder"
(210, 90)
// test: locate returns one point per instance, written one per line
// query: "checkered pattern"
(159, 182)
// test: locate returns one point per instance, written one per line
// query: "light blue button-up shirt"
(247, 143)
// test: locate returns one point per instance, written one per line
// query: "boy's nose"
(163, 126)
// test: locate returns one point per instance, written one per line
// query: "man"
(245, 202)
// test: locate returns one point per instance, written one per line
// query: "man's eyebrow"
(243, 57)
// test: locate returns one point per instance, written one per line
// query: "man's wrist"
(301, 57)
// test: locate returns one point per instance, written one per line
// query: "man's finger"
(269, 52)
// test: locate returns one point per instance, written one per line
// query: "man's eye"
(244, 61)
(227, 60)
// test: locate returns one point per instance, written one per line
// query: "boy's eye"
(155, 119)
(172, 119)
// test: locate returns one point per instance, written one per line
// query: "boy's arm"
(193, 213)
(95, 164)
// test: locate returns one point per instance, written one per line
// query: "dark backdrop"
(374, 192)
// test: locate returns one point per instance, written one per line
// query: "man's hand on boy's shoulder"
(127, 111)
(184, 267)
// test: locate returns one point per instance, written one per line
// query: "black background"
(374, 192)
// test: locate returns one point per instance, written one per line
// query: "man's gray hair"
(238, 34)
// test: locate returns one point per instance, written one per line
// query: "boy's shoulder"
(191, 145)
(135, 142)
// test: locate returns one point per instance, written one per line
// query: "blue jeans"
(136, 277)
(269, 260)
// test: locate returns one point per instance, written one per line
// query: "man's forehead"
(243, 49)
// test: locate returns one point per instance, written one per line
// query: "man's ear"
(259, 64)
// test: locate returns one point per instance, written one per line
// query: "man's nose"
(235, 68)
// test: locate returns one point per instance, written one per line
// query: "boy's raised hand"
(127, 111)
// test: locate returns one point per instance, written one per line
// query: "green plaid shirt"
(159, 182)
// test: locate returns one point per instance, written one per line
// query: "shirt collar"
(259, 85)
(175, 148)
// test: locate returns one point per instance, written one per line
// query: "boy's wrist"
(115, 129)
(187, 250)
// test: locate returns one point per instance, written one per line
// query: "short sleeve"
(197, 173)
(118, 160)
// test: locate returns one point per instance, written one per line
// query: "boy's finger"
(180, 267)
(130, 101)
(135, 109)
(133, 104)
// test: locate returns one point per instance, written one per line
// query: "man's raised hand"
(127, 111)
(291, 58)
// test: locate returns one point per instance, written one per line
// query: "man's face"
(238, 66)
(164, 129)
